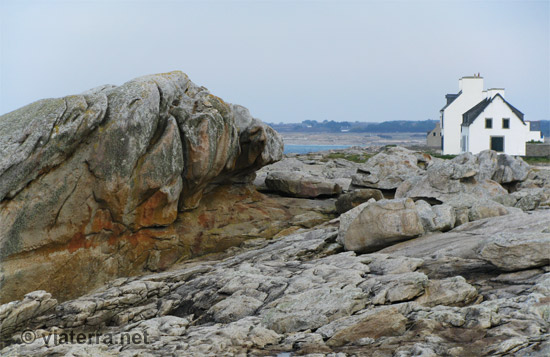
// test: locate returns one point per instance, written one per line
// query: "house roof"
(471, 115)
(450, 98)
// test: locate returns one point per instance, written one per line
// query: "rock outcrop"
(301, 294)
(389, 168)
(97, 185)
(378, 224)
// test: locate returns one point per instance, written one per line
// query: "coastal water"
(304, 149)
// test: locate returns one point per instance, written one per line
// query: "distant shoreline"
(354, 139)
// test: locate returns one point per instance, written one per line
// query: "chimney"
(471, 85)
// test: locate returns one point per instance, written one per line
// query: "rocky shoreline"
(359, 252)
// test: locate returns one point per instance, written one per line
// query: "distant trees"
(397, 126)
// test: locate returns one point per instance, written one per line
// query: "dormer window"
(505, 123)
(488, 123)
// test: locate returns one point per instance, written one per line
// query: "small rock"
(353, 199)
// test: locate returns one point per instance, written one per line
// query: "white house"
(475, 120)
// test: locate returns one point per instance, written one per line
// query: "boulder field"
(111, 200)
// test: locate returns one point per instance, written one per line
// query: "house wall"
(434, 140)
(472, 93)
(465, 139)
(514, 138)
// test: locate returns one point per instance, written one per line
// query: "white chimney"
(471, 85)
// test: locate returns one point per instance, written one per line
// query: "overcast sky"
(287, 61)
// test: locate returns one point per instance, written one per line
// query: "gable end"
(471, 115)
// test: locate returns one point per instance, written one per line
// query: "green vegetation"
(445, 157)
(358, 158)
(536, 159)
(535, 142)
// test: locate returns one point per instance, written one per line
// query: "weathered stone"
(309, 219)
(389, 168)
(353, 199)
(436, 218)
(301, 185)
(446, 179)
(510, 251)
(347, 218)
(486, 208)
(380, 224)
(393, 288)
(506, 200)
(85, 177)
(384, 322)
(382, 264)
(454, 291)
(267, 297)
(458, 252)
(530, 199)
(312, 308)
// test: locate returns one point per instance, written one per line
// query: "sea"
(304, 149)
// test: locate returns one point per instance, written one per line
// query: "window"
(488, 123)
(434, 134)
(505, 123)
(497, 143)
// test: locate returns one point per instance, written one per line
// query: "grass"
(536, 159)
(445, 157)
(360, 159)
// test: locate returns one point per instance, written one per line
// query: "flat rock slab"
(460, 249)
(299, 184)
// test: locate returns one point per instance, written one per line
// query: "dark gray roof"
(450, 98)
(470, 116)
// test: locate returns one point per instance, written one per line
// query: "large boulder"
(389, 168)
(468, 207)
(92, 184)
(536, 178)
(501, 168)
(446, 179)
(379, 224)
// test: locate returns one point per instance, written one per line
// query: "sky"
(287, 61)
